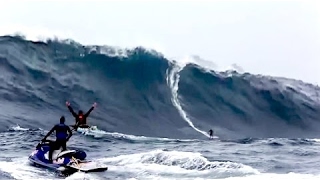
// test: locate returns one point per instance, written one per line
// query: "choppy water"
(131, 157)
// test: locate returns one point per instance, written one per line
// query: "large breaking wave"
(140, 92)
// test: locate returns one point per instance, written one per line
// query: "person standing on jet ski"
(62, 137)
(81, 119)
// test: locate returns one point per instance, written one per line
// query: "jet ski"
(66, 162)
(85, 129)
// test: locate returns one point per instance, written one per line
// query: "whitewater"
(154, 114)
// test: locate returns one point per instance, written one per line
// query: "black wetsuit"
(210, 132)
(81, 119)
(61, 138)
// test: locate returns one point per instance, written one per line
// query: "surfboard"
(88, 166)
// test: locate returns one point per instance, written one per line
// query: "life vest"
(81, 118)
(61, 131)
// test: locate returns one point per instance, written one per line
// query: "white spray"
(173, 78)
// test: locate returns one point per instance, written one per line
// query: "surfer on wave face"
(211, 133)
(81, 119)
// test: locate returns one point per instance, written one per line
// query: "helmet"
(62, 119)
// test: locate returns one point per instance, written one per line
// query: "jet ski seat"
(55, 154)
(59, 153)
(62, 153)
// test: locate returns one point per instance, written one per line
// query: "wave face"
(140, 92)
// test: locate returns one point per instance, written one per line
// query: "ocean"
(154, 114)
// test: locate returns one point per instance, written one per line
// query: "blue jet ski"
(66, 162)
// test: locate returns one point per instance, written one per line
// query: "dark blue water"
(154, 114)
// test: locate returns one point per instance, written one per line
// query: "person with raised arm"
(81, 118)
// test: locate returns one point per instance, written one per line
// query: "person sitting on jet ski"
(81, 119)
(62, 137)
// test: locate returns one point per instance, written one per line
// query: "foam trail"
(173, 78)
(18, 128)
(100, 133)
(19, 168)
(189, 165)
(269, 176)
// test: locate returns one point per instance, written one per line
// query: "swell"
(130, 90)
(134, 97)
(248, 105)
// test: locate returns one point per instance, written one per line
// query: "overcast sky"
(280, 38)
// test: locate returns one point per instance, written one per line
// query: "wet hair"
(80, 112)
(62, 119)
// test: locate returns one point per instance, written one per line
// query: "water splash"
(173, 78)
(176, 163)
(18, 128)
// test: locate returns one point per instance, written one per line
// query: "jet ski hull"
(66, 162)
(55, 167)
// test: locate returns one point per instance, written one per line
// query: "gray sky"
(279, 38)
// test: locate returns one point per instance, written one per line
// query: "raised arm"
(70, 109)
(93, 106)
(48, 134)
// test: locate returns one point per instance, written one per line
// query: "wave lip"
(248, 105)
